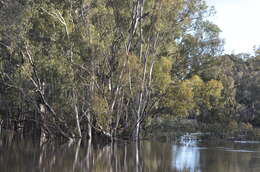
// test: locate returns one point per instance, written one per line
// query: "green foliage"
(178, 99)
(100, 108)
(212, 93)
(161, 74)
(192, 96)
(115, 63)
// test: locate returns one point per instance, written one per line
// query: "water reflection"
(185, 158)
(186, 155)
(146, 156)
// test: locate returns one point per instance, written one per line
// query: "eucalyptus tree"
(198, 46)
(96, 66)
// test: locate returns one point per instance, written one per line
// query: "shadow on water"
(18, 155)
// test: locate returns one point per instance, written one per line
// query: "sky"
(239, 21)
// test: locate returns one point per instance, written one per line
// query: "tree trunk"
(76, 113)
(77, 121)
(89, 125)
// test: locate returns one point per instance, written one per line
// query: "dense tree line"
(84, 68)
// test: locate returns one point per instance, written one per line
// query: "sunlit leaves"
(161, 74)
(188, 96)
(114, 59)
(100, 108)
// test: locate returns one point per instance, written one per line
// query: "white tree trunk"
(77, 121)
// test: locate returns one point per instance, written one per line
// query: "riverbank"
(170, 130)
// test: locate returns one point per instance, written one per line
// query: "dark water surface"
(146, 156)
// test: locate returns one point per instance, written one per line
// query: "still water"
(146, 156)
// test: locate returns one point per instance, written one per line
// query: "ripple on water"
(235, 150)
(247, 142)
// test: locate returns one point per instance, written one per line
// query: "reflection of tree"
(229, 157)
(76, 154)
(52, 157)
(89, 156)
(185, 158)
(138, 158)
(156, 156)
(81, 156)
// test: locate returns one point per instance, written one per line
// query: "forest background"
(113, 68)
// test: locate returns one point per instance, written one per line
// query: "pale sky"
(239, 21)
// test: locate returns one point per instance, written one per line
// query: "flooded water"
(145, 156)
